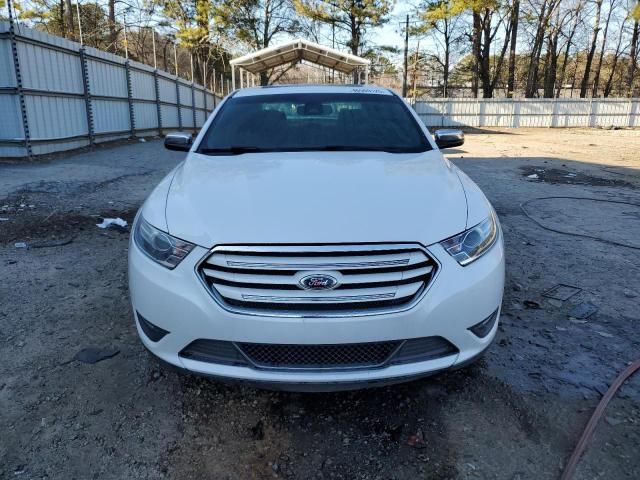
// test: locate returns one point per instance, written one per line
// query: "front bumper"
(458, 298)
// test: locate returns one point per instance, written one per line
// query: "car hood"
(311, 197)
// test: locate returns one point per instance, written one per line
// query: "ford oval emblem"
(318, 281)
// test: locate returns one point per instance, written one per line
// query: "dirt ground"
(569, 204)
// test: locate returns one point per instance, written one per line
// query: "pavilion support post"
(233, 77)
(241, 77)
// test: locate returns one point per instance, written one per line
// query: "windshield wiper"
(233, 150)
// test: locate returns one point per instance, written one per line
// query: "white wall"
(529, 112)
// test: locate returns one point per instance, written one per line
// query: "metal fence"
(57, 95)
(530, 112)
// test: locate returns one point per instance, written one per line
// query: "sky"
(392, 33)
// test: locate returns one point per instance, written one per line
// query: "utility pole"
(126, 43)
(406, 53)
(415, 72)
(175, 57)
(153, 41)
(333, 45)
(79, 22)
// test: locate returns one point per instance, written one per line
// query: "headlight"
(160, 246)
(473, 243)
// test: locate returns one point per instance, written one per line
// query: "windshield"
(314, 122)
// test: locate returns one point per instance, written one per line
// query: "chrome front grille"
(282, 280)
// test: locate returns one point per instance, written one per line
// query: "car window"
(314, 122)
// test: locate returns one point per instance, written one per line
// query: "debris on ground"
(95, 354)
(561, 292)
(531, 304)
(117, 223)
(583, 310)
(21, 245)
(4, 219)
(567, 177)
(630, 293)
(417, 440)
(575, 320)
(257, 431)
(604, 334)
(51, 243)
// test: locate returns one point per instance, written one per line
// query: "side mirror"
(449, 138)
(178, 141)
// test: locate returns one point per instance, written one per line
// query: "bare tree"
(596, 79)
(633, 57)
(594, 40)
(515, 18)
(113, 32)
(69, 16)
(441, 21)
(546, 10)
(616, 57)
(483, 34)
(553, 51)
(576, 14)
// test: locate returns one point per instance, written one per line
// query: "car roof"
(330, 88)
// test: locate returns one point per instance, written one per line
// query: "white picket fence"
(529, 112)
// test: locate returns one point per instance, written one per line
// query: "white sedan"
(315, 238)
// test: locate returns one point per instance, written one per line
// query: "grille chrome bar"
(316, 299)
(303, 296)
(266, 280)
(347, 279)
(313, 262)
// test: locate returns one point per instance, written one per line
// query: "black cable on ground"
(584, 235)
(570, 468)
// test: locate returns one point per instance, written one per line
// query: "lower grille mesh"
(319, 356)
(349, 355)
(214, 351)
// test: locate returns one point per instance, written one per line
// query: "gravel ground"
(514, 415)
